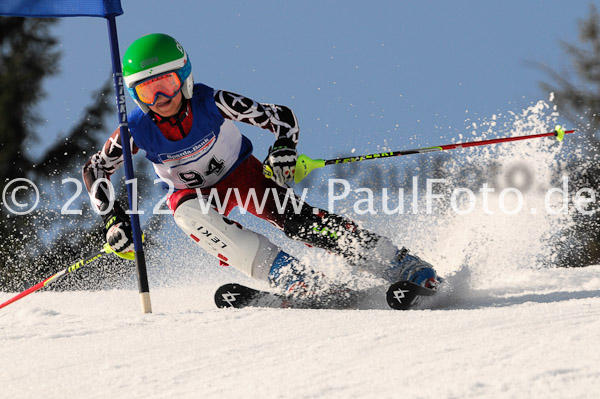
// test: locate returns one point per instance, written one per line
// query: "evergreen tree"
(578, 97)
(38, 244)
(578, 100)
(28, 55)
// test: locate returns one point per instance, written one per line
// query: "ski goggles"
(168, 85)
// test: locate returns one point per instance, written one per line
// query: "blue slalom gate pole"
(140, 261)
(108, 9)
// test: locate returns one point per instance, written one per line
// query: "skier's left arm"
(279, 119)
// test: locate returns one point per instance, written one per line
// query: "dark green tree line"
(38, 244)
(577, 95)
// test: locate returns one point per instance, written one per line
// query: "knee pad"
(250, 252)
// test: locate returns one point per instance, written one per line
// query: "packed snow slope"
(532, 336)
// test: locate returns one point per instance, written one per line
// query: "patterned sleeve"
(101, 166)
(279, 119)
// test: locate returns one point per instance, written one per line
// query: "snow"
(534, 338)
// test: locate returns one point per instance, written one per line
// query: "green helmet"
(152, 55)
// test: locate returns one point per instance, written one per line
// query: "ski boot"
(411, 268)
(291, 278)
(306, 287)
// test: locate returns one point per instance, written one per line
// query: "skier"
(188, 134)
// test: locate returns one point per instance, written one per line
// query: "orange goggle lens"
(167, 85)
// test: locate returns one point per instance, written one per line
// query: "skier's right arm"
(101, 166)
(96, 175)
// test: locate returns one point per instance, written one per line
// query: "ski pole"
(305, 165)
(74, 267)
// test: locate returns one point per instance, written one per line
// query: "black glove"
(118, 230)
(282, 160)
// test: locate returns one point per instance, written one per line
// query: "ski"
(404, 295)
(239, 296)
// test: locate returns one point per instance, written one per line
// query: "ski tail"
(239, 296)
